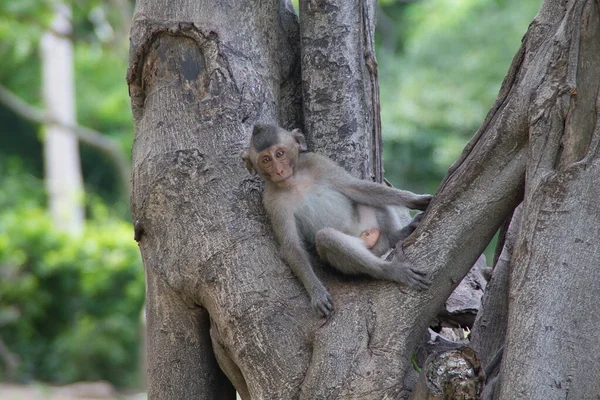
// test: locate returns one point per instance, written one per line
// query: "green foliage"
(78, 300)
(18, 187)
(100, 58)
(437, 89)
(21, 27)
(103, 104)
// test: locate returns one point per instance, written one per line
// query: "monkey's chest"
(324, 208)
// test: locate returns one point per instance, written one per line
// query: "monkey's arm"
(378, 195)
(363, 191)
(284, 226)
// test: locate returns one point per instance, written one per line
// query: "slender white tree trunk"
(64, 182)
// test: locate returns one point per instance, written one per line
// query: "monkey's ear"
(297, 133)
(248, 163)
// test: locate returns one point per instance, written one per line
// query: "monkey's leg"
(349, 255)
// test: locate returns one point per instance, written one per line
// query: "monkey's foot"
(403, 271)
(412, 277)
(321, 301)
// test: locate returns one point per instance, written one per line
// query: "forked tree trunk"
(554, 293)
(202, 73)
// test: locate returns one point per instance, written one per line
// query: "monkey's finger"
(424, 279)
(320, 312)
(415, 271)
(323, 306)
(422, 283)
(420, 279)
(425, 282)
(325, 309)
(419, 285)
(329, 303)
(420, 276)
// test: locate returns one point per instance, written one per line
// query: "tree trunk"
(554, 307)
(63, 177)
(203, 73)
(340, 86)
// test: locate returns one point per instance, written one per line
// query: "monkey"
(316, 206)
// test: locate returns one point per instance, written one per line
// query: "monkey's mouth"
(279, 178)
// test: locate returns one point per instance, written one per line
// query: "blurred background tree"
(99, 36)
(69, 304)
(69, 307)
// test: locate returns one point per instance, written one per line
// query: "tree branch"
(86, 135)
(368, 21)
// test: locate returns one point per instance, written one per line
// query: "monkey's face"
(273, 152)
(276, 163)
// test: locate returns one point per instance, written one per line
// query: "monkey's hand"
(403, 271)
(321, 300)
(419, 202)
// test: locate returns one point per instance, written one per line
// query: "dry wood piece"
(454, 374)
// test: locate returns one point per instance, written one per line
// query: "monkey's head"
(273, 152)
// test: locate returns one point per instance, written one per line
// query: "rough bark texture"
(339, 82)
(464, 303)
(554, 307)
(182, 361)
(489, 332)
(197, 87)
(203, 73)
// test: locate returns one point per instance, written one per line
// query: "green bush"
(75, 302)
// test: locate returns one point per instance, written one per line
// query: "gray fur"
(325, 208)
(264, 136)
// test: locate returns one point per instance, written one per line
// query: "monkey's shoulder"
(320, 165)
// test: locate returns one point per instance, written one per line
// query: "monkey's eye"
(266, 160)
(279, 154)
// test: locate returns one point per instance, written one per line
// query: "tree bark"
(340, 85)
(489, 331)
(181, 352)
(554, 305)
(202, 73)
